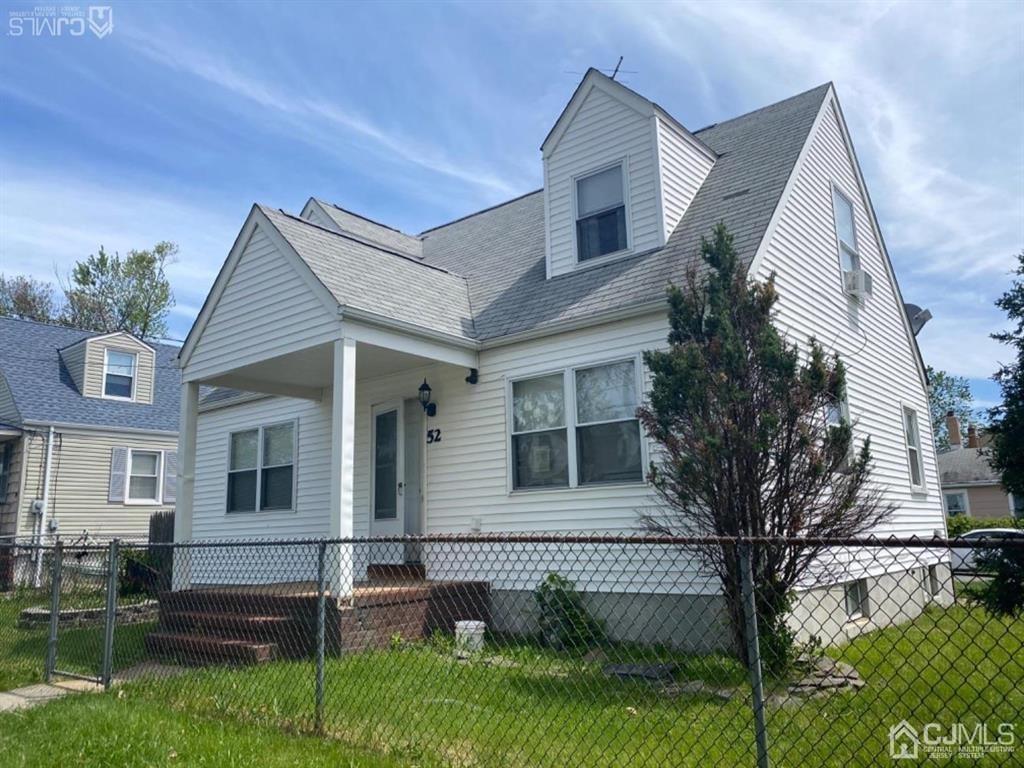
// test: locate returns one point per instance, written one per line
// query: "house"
(970, 486)
(483, 375)
(88, 433)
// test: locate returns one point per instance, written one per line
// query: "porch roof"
(378, 281)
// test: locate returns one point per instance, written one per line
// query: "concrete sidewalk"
(41, 693)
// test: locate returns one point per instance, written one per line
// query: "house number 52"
(433, 436)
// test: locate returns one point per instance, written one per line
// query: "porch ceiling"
(308, 372)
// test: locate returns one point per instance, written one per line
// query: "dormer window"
(119, 374)
(600, 214)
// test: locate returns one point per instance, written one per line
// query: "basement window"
(600, 214)
(857, 599)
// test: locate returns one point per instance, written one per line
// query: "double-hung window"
(261, 469)
(600, 214)
(846, 231)
(5, 469)
(119, 374)
(837, 413)
(595, 441)
(144, 473)
(913, 436)
(956, 503)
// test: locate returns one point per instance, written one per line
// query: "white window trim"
(128, 500)
(259, 469)
(622, 162)
(106, 369)
(923, 487)
(967, 500)
(836, 190)
(569, 399)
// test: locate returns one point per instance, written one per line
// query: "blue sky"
(175, 123)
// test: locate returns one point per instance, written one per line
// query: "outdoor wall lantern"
(429, 408)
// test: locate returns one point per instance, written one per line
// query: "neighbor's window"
(934, 586)
(956, 503)
(1017, 504)
(144, 476)
(5, 469)
(857, 599)
(600, 214)
(119, 379)
(607, 430)
(605, 444)
(540, 455)
(849, 259)
(913, 436)
(261, 467)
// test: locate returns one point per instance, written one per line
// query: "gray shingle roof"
(500, 251)
(372, 231)
(489, 278)
(389, 284)
(966, 465)
(44, 392)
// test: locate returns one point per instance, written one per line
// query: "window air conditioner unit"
(857, 282)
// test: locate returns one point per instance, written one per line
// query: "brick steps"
(195, 649)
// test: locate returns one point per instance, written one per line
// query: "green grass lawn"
(525, 707)
(105, 730)
(23, 651)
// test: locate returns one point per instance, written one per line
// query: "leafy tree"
(110, 293)
(1007, 419)
(27, 299)
(748, 441)
(948, 393)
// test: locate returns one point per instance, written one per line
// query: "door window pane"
(609, 453)
(606, 393)
(385, 475)
(541, 459)
(538, 403)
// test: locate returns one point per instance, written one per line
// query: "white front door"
(387, 479)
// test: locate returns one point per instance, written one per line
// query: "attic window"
(849, 259)
(600, 214)
(119, 374)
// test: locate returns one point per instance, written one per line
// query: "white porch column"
(343, 410)
(186, 478)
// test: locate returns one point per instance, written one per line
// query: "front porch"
(252, 624)
(358, 448)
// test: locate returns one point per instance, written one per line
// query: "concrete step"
(193, 649)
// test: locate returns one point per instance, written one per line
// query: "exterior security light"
(429, 407)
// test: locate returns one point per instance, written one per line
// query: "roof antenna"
(614, 73)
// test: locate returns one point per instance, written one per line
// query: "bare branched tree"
(753, 440)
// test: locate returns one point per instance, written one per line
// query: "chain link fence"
(550, 650)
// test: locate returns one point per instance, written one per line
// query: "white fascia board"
(67, 426)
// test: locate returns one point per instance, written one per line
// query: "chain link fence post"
(110, 615)
(321, 619)
(753, 651)
(51, 645)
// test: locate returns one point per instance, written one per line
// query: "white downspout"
(48, 462)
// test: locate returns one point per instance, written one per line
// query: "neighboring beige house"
(969, 484)
(88, 433)
(523, 326)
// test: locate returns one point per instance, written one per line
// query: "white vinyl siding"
(871, 338)
(683, 169)
(603, 131)
(266, 309)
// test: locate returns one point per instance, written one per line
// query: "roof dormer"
(114, 366)
(619, 173)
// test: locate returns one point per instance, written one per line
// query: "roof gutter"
(65, 425)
